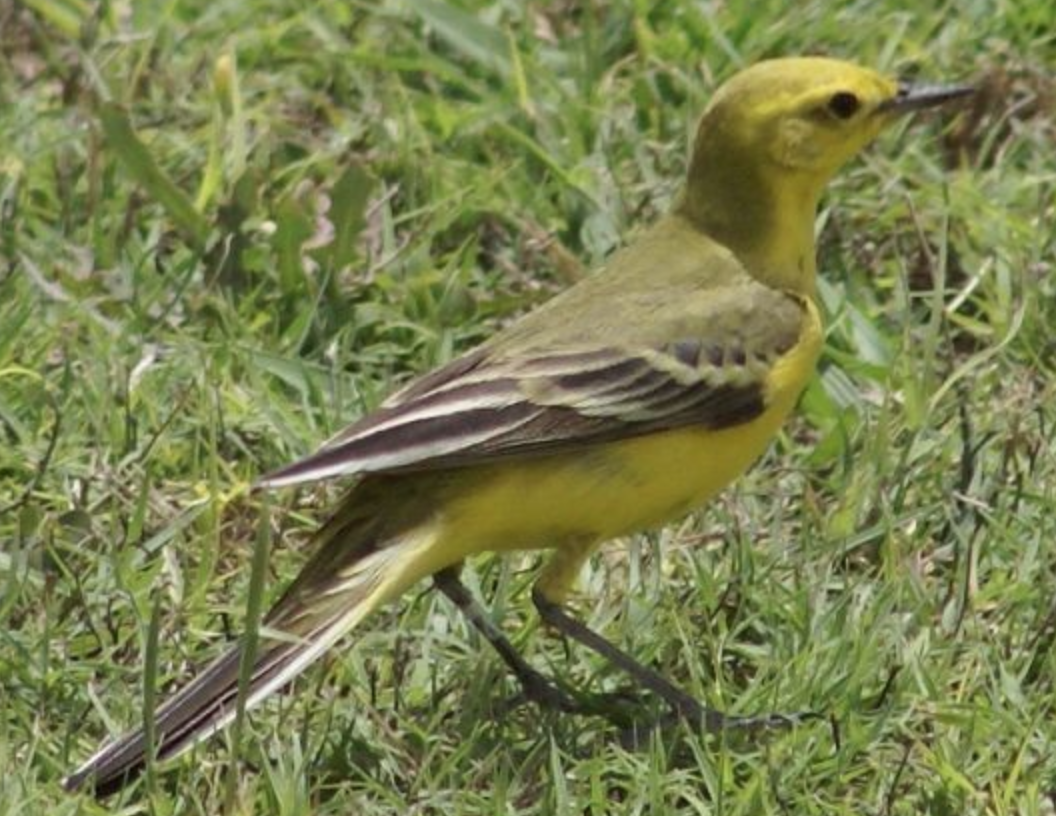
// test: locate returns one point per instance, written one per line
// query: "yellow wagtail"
(629, 399)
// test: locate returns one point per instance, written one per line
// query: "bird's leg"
(684, 705)
(537, 687)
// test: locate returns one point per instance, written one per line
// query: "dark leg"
(537, 688)
(685, 706)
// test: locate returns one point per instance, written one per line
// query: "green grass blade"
(137, 159)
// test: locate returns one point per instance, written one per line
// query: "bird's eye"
(843, 105)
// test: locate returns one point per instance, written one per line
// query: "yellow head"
(769, 141)
(805, 115)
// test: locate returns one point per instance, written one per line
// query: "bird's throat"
(768, 226)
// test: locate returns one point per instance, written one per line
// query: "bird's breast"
(607, 490)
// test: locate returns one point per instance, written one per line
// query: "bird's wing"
(710, 371)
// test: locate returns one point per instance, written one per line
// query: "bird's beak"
(911, 97)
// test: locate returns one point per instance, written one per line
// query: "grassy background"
(227, 228)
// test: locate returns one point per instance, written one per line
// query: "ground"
(227, 228)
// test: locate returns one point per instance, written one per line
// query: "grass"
(228, 228)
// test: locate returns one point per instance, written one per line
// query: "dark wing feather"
(486, 406)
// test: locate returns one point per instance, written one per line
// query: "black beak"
(911, 97)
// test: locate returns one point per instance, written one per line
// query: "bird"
(628, 400)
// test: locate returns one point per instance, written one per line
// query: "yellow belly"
(613, 490)
(620, 487)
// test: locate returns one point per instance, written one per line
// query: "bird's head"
(806, 116)
(769, 141)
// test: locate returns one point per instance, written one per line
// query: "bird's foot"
(711, 721)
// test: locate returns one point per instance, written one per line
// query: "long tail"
(364, 560)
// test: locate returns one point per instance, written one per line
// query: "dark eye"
(843, 105)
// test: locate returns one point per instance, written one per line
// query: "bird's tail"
(364, 560)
